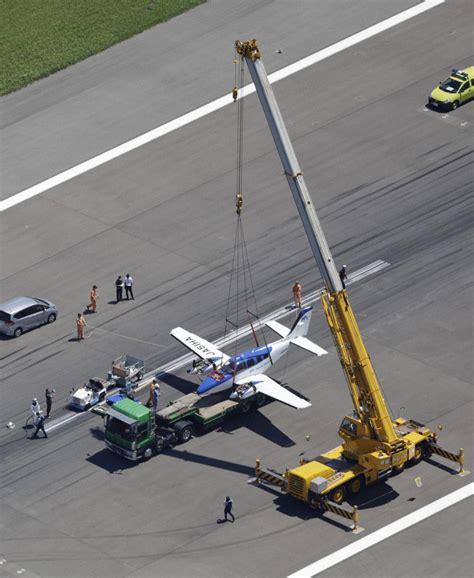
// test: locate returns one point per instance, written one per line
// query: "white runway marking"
(176, 364)
(211, 107)
(384, 533)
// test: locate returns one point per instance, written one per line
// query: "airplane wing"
(268, 386)
(202, 348)
(278, 328)
(305, 343)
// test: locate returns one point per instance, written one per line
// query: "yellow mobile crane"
(374, 445)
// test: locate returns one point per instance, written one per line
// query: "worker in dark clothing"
(343, 276)
(49, 394)
(119, 288)
(39, 426)
(228, 508)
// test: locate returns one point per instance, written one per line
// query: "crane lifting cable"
(241, 295)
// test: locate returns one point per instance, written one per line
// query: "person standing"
(297, 294)
(128, 282)
(156, 395)
(93, 298)
(39, 426)
(150, 393)
(35, 407)
(119, 288)
(343, 275)
(228, 508)
(80, 324)
(49, 394)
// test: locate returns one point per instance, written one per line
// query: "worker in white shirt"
(128, 282)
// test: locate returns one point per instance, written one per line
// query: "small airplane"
(244, 373)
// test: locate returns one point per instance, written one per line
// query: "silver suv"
(23, 313)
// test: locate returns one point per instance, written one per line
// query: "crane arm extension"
(364, 387)
(366, 394)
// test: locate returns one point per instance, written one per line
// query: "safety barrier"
(352, 514)
(458, 458)
(268, 476)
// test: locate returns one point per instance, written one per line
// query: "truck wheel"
(337, 495)
(397, 470)
(184, 430)
(356, 485)
(147, 453)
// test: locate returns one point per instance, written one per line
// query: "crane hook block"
(247, 49)
(239, 201)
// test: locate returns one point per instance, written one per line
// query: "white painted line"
(63, 421)
(217, 104)
(229, 338)
(384, 533)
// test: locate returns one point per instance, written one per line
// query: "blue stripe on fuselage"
(210, 383)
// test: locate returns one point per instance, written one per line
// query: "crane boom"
(369, 403)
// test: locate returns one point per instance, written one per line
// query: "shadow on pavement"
(110, 462)
(97, 433)
(259, 424)
(211, 462)
(183, 385)
(374, 496)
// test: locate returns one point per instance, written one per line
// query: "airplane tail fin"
(297, 334)
(301, 325)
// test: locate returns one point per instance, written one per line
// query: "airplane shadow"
(110, 462)
(211, 462)
(183, 385)
(260, 424)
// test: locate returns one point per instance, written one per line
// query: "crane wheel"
(356, 485)
(420, 452)
(337, 496)
(397, 470)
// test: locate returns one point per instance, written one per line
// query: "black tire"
(148, 453)
(419, 453)
(338, 495)
(184, 430)
(51, 317)
(87, 407)
(18, 331)
(455, 105)
(397, 470)
(356, 485)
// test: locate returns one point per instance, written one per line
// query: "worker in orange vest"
(297, 294)
(93, 297)
(80, 324)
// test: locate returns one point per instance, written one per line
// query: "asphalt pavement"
(391, 181)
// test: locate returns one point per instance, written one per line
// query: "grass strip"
(40, 37)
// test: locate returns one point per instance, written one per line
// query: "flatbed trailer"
(135, 432)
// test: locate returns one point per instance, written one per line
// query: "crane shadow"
(374, 496)
(186, 456)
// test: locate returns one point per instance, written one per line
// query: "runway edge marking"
(213, 106)
(385, 532)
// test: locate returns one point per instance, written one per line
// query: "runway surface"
(391, 182)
